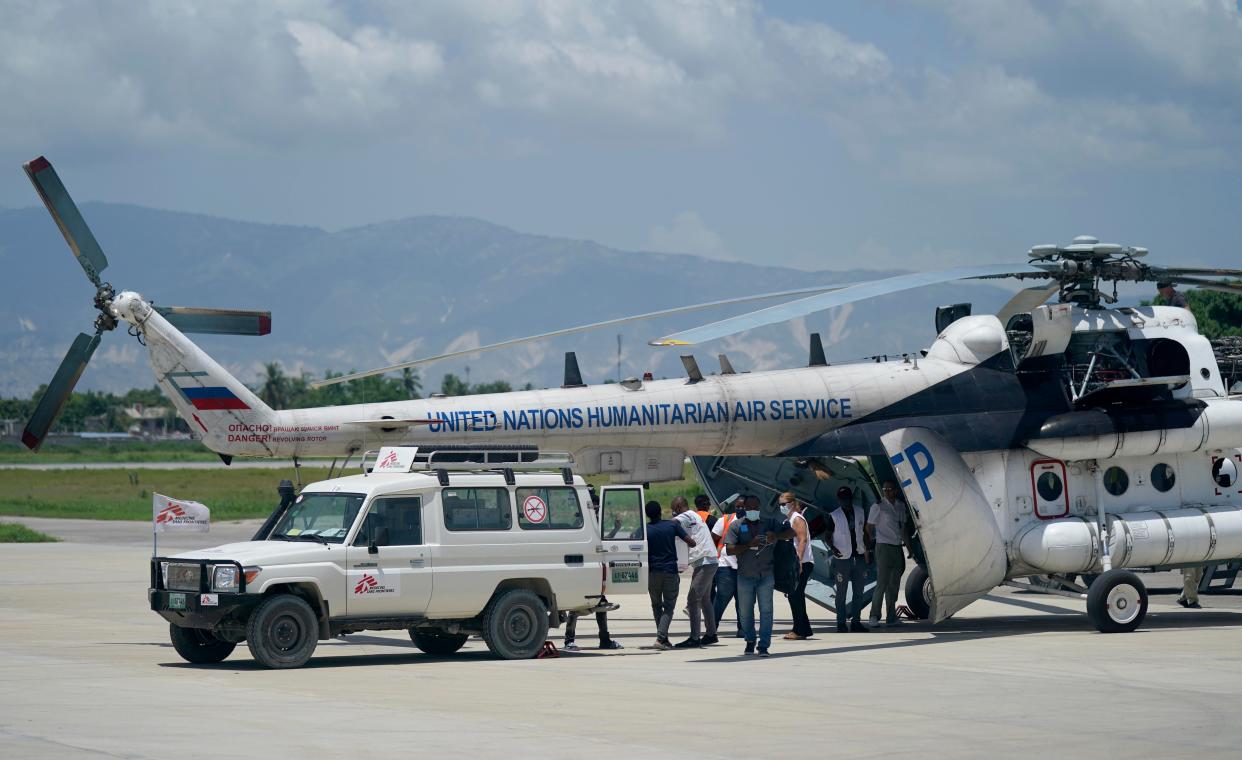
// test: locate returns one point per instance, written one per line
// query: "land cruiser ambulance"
(445, 544)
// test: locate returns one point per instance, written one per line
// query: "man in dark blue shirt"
(662, 578)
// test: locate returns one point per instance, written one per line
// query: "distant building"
(11, 428)
(148, 420)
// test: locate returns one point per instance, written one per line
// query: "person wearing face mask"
(751, 539)
(850, 558)
(792, 510)
(887, 528)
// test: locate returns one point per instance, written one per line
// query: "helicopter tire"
(919, 592)
(1117, 602)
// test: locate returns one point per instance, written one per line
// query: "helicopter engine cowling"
(1218, 425)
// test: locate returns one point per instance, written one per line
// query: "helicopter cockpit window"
(1049, 486)
(1163, 477)
(1225, 472)
(1116, 481)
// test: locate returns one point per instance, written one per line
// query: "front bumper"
(201, 607)
(189, 609)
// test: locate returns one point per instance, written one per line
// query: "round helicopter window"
(1225, 472)
(1163, 477)
(1116, 481)
(1049, 486)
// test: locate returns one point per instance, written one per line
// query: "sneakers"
(688, 644)
(1189, 605)
(570, 646)
(763, 652)
(841, 628)
(857, 627)
(895, 623)
(709, 640)
(610, 645)
(750, 647)
(663, 644)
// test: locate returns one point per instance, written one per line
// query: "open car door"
(623, 539)
(965, 552)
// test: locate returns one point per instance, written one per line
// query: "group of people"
(732, 558)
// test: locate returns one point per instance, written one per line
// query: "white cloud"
(688, 233)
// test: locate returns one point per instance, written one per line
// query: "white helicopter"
(1048, 440)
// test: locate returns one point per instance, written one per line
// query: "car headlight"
(225, 578)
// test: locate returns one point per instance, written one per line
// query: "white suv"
(501, 546)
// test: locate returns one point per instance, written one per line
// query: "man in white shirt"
(886, 527)
(850, 558)
(703, 563)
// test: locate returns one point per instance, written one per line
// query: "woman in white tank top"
(792, 509)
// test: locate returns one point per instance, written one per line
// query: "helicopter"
(1049, 441)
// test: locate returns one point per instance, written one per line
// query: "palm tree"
(275, 389)
(411, 383)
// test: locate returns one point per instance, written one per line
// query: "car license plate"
(176, 601)
(625, 575)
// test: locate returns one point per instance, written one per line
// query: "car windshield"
(321, 517)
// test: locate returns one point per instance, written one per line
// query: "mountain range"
(388, 292)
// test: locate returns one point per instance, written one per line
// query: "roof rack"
(446, 458)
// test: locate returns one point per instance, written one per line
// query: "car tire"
(1117, 602)
(433, 641)
(515, 624)
(282, 632)
(198, 645)
(919, 592)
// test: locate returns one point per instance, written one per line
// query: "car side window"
(392, 521)
(549, 508)
(476, 508)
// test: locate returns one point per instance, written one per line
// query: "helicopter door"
(964, 548)
(623, 539)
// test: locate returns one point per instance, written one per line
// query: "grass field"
(230, 494)
(61, 450)
(13, 533)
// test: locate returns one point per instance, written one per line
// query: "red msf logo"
(367, 583)
(170, 513)
(389, 461)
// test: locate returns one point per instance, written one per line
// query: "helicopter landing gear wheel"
(1117, 602)
(919, 593)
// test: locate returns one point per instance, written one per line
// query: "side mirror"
(379, 539)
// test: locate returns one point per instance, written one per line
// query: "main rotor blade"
(578, 329)
(1027, 299)
(1220, 286)
(65, 212)
(802, 307)
(1209, 271)
(217, 321)
(57, 393)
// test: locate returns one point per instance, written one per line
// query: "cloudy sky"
(887, 133)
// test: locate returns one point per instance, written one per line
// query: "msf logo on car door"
(377, 583)
(921, 466)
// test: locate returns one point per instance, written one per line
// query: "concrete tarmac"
(86, 671)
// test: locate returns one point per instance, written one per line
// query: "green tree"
(452, 385)
(275, 388)
(411, 383)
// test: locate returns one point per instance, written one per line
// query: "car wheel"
(437, 641)
(282, 632)
(198, 645)
(515, 624)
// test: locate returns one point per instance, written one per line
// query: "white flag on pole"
(177, 516)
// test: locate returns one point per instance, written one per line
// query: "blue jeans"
(748, 590)
(847, 573)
